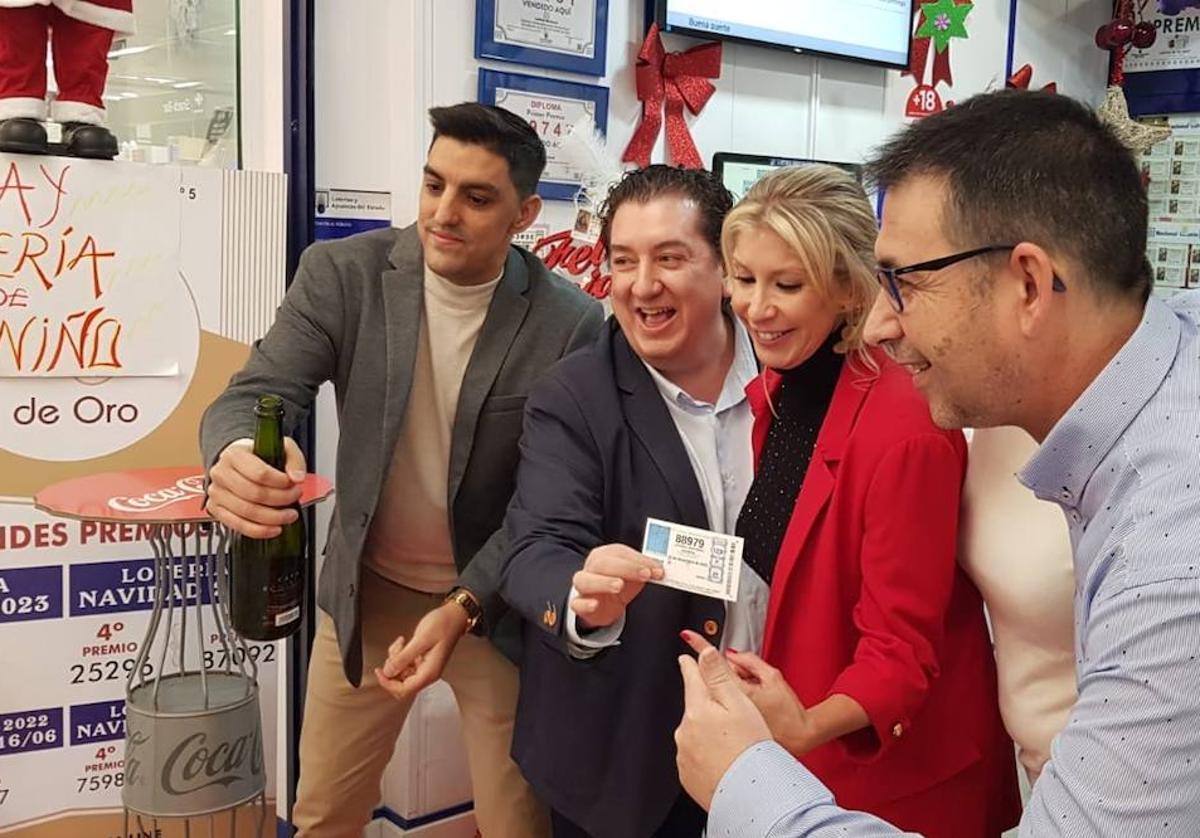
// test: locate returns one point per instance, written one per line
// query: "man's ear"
(530, 207)
(1032, 270)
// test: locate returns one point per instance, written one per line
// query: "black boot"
(95, 142)
(22, 135)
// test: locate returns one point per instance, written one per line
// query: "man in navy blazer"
(650, 421)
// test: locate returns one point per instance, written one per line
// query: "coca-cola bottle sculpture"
(193, 735)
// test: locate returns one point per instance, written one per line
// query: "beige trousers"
(349, 734)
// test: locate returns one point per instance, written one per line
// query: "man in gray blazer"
(432, 336)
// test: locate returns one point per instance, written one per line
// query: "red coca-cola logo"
(184, 488)
(582, 261)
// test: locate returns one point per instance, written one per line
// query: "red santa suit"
(80, 33)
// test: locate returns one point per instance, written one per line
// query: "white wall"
(765, 99)
(1056, 38)
(762, 104)
(261, 85)
(352, 120)
(382, 63)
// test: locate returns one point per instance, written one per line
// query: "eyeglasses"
(887, 276)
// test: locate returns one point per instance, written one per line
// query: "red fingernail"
(732, 651)
(684, 635)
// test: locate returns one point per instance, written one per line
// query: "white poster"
(566, 26)
(552, 117)
(99, 334)
(1172, 173)
(127, 294)
(1177, 46)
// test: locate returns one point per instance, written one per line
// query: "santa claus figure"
(80, 33)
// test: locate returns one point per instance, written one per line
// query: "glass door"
(172, 94)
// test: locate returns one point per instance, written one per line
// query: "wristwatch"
(466, 600)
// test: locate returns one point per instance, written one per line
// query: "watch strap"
(466, 600)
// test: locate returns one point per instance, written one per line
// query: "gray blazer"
(352, 316)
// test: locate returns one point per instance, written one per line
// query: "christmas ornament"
(1120, 32)
(669, 81)
(944, 20)
(1127, 30)
(1133, 135)
(1120, 35)
(83, 34)
(936, 24)
(1144, 34)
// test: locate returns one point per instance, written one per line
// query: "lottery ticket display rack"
(193, 737)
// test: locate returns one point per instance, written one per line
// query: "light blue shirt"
(1124, 465)
(717, 438)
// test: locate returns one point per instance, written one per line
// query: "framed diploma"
(551, 107)
(569, 35)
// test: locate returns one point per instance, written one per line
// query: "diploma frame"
(486, 45)
(596, 97)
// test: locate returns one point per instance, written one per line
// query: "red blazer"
(868, 600)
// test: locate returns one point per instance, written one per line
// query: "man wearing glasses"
(1042, 318)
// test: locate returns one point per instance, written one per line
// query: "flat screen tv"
(874, 31)
(740, 171)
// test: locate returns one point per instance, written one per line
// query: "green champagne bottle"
(266, 576)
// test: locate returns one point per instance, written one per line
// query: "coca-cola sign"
(580, 261)
(182, 489)
(200, 761)
(193, 744)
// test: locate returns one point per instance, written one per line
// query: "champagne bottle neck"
(268, 439)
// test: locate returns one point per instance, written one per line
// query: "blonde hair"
(821, 213)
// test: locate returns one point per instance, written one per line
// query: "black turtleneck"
(801, 402)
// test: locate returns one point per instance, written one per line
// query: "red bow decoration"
(1023, 76)
(681, 78)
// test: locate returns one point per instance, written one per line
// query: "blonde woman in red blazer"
(877, 670)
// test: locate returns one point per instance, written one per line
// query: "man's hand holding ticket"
(612, 577)
(695, 560)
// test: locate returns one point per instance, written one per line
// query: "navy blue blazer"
(599, 455)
